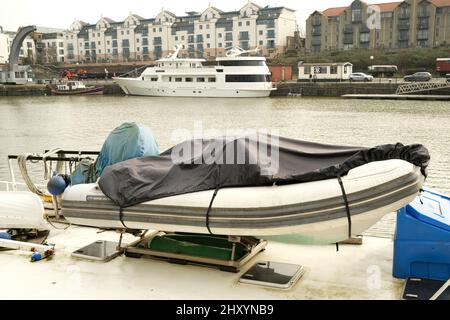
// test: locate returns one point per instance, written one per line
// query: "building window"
(243, 35)
(270, 34)
(208, 36)
(208, 45)
(207, 26)
(200, 27)
(122, 32)
(212, 79)
(160, 29)
(219, 44)
(189, 80)
(261, 32)
(247, 23)
(219, 35)
(178, 79)
(200, 79)
(240, 24)
(176, 38)
(333, 69)
(261, 42)
(137, 40)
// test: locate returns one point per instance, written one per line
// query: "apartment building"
(406, 24)
(206, 34)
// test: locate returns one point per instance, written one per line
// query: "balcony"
(243, 37)
(423, 25)
(270, 34)
(199, 39)
(316, 32)
(348, 29)
(316, 42)
(316, 22)
(348, 40)
(423, 14)
(404, 26)
(157, 42)
(422, 36)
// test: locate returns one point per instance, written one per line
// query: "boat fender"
(5, 235)
(57, 184)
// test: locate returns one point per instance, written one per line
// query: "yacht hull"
(137, 87)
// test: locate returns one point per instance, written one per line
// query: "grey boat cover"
(199, 165)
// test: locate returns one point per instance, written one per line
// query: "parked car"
(418, 77)
(360, 77)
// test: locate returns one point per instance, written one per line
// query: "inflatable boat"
(316, 210)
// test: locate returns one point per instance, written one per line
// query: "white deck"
(356, 272)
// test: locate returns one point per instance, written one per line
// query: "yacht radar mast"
(237, 51)
(174, 54)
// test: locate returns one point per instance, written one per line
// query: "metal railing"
(415, 87)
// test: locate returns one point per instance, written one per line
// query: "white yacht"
(233, 76)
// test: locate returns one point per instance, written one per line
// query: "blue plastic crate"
(422, 242)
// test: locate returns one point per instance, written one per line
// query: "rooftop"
(384, 7)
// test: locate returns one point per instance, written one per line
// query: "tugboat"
(73, 87)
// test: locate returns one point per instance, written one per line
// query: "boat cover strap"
(209, 210)
(347, 207)
(121, 218)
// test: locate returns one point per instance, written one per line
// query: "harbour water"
(33, 124)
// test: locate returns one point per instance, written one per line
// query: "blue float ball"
(56, 185)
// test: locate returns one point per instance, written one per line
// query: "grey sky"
(60, 14)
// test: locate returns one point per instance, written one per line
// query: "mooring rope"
(22, 162)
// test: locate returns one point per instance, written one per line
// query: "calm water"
(37, 123)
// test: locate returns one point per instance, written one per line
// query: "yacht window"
(170, 79)
(188, 80)
(247, 78)
(242, 63)
(219, 70)
(178, 79)
(154, 78)
(212, 79)
(200, 79)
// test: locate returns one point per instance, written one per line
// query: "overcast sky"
(60, 13)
